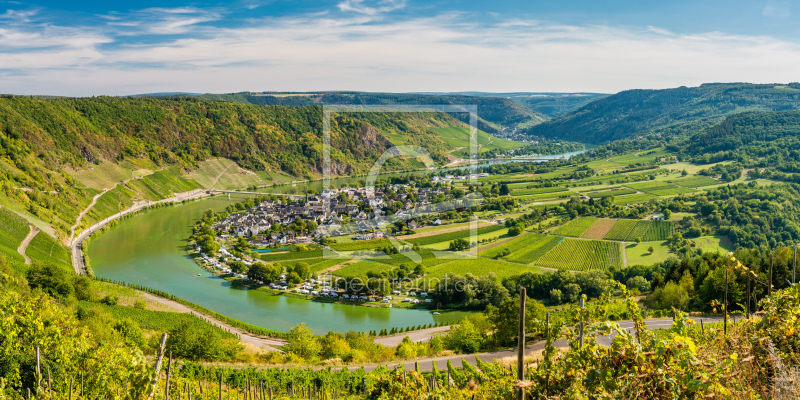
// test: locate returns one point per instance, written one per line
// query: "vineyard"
(361, 245)
(535, 250)
(633, 199)
(695, 181)
(45, 248)
(611, 193)
(648, 231)
(477, 267)
(659, 188)
(659, 230)
(525, 192)
(361, 268)
(600, 228)
(581, 255)
(576, 227)
(450, 236)
(297, 255)
(15, 228)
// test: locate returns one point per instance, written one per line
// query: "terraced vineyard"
(576, 227)
(298, 255)
(361, 245)
(582, 255)
(15, 228)
(477, 267)
(621, 230)
(600, 228)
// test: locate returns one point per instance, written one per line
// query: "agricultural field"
(582, 255)
(659, 188)
(361, 268)
(576, 227)
(621, 230)
(477, 267)
(15, 228)
(638, 231)
(600, 228)
(695, 181)
(648, 156)
(106, 175)
(525, 192)
(525, 248)
(711, 244)
(360, 245)
(610, 193)
(297, 255)
(450, 236)
(162, 321)
(633, 199)
(546, 196)
(45, 248)
(658, 230)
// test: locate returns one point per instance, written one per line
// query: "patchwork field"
(610, 193)
(575, 227)
(581, 255)
(648, 231)
(477, 267)
(525, 248)
(448, 237)
(621, 229)
(600, 228)
(633, 199)
(659, 188)
(695, 181)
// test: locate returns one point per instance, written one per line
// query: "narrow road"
(25, 242)
(422, 335)
(624, 255)
(86, 210)
(265, 343)
(75, 246)
(539, 345)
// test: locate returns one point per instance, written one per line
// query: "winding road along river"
(148, 249)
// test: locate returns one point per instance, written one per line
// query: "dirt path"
(86, 210)
(22, 246)
(624, 255)
(422, 335)
(220, 175)
(264, 343)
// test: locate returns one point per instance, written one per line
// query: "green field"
(638, 254)
(711, 244)
(223, 174)
(659, 188)
(576, 227)
(45, 248)
(610, 193)
(525, 248)
(361, 245)
(581, 255)
(648, 231)
(525, 192)
(297, 255)
(361, 268)
(161, 321)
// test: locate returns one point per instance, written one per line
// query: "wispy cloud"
(778, 9)
(357, 49)
(371, 9)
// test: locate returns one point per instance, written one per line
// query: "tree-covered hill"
(493, 112)
(683, 110)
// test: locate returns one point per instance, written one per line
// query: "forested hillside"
(493, 112)
(682, 110)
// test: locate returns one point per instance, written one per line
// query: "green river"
(148, 249)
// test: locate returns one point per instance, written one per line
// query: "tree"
(464, 338)
(504, 190)
(459, 244)
(302, 342)
(555, 296)
(504, 319)
(241, 244)
(51, 279)
(264, 272)
(293, 279)
(571, 292)
(638, 240)
(651, 249)
(419, 270)
(208, 245)
(238, 267)
(667, 213)
(302, 269)
(684, 173)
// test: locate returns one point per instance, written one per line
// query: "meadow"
(15, 228)
(695, 181)
(450, 236)
(633, 199)
(297, 255)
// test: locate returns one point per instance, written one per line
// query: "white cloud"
(778, 9)
(442, 53)
(382, 6)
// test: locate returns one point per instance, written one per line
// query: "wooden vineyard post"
(747, 304)
(794, 264)
(769, 288)
(725, 304)
(71, 382)
(220, 385)
(169, 371)
(81, 383)
(38, 373)
(580, 342)
(157, 366)
(521, 344)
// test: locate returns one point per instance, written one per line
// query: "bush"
(110, 300)
(51, 279)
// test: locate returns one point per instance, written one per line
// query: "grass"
(638, 254)
(107, 174)
(711, 244)
(162, 321)
(695, 181)
(534, 249)
(582, 255)
(361, 245)
(576, 227)
(298, 255)
(610, 193)
(361, 268)
(231, 176)
(525, 192)
(659, 188)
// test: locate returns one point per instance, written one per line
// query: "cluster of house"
(450, 178)
(337, 212)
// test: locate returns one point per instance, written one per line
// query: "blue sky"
(124, 47)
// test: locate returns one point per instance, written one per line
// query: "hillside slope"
(681, 110)
(493, 112)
